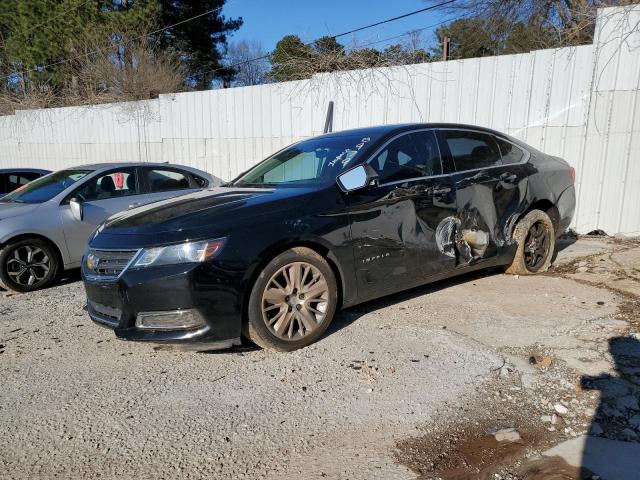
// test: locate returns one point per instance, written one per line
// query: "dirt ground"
(483, 376)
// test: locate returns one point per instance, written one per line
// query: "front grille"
(106, 264)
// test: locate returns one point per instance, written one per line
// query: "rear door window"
(472, 150)
(165, 180)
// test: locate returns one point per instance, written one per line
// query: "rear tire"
(535, 236)
(28, 265)
(292, 302)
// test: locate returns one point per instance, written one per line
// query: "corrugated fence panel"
(579, 103)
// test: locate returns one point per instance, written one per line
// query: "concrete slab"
(609, 459)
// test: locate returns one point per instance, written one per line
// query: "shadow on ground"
(611, 450)
(348, 316)
(66, 277)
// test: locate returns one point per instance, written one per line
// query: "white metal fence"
(578, 103)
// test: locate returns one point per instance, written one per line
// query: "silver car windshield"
(45, 188)
(315, 161)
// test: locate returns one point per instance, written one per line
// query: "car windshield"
(45, 188)
(310, 162)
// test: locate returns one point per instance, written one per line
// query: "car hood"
(199, 214)
(10, 209)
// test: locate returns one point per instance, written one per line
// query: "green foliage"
(201, 41)
(470, 37)
(480, 37)
(41, 39)
(331, 51)
(398, 54)
(366, 57)
(515, 26)
(524, 38)
(328, 46)
(290, 59)
(37, 33)
(294, 60)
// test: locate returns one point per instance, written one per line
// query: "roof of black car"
(381, 130)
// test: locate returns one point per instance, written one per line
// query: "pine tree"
(41, 39)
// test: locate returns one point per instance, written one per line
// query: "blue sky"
(269, 20)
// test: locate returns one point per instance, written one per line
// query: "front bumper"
(197, 289)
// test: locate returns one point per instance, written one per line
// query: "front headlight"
(192, 252)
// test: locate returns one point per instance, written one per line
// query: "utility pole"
(446, 44)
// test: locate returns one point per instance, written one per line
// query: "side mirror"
(358, 177)
(76, 209)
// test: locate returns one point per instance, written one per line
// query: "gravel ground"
(443, 361)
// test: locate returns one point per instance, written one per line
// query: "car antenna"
(328, 123)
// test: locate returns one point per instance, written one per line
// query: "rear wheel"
(292, 302)
(535, 236)
(28, 265)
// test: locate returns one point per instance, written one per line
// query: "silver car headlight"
(191, 252)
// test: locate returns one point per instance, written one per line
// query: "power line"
(359, 29)
(414, 31)
(415, 12)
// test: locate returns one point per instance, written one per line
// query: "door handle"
(401, 192)
(441, 191)
(134, 205)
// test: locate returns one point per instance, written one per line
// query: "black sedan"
(13, 178)
(324, 224)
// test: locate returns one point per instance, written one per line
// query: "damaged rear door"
(490, 192)
(394, 222)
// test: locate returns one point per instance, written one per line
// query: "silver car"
(45, 225)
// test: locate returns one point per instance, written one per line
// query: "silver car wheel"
(295, 300)
(28, 266)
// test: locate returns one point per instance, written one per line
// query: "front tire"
(293, 301)
(28, 265)
(535, 236)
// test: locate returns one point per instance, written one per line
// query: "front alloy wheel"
(292, 302)
(27, 265)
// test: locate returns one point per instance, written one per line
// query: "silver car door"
(100, 197)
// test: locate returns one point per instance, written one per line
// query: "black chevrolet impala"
(325, 224)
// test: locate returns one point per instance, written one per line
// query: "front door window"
(114, 184)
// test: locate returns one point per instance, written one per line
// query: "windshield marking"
(348, 154)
